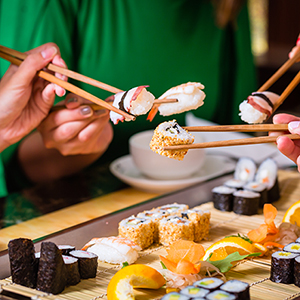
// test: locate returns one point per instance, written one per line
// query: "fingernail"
(99, 112)
(62, 62)
(294, 125)
(86, 110)
(72, 100)
(49, 52)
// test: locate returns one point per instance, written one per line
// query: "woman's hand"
(77, 129)
(290, 148)
(25, 99)
(295, 49)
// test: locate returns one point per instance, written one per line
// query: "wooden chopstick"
(240, 128)
(237, 142)
(70, 87)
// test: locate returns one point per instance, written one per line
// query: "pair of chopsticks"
(236, 142)
(16, 57)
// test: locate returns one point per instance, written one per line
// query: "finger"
(284, 118)
(57, 60)
(288, 148)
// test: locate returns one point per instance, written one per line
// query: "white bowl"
(156, 166)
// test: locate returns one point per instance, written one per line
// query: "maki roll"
(246, 202)
(72, 270)
(293, 248)
(260, 188)
(223, 198)
(88, 263)
(174, 296)
(173, 209)
(169, 134)
(23, 263)
(175, 228)
(65, 249)
(52, 276)
(297, 271)
(239, 288)
(138, 230)
(297, 240)
(219, 294)
(209, 283)
(267, 174)
(245, 169)
(200, 219)
(235, 184)
(282, 267)
(194, 292)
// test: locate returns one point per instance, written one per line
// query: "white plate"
(125, 169)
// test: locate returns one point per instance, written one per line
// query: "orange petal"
(169, 264)
(186, 267)
(259, 234)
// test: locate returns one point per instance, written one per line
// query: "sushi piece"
(209, 283)
(114, 250)
(88, 263)
(260, 188)
(174, 296)
(282, 267)
(173, 209)
(174, 228)
(136, 101)
(245, 169)
(297, 271)
(138, 230)
(245, 202)
(52, 274)
(194, 292)
(72, 270)
(168, 134)
(239, 288)
(23, 263)
(258, 107)
(65, 249)
(297, 240)
(235, 183)
(219, 294)
(293, 248)
(267, 174)
(189, 95)
(223, 197)
(200, 219)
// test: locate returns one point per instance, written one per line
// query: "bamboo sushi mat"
(256, 271)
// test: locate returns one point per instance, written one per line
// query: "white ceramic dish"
(125, 169)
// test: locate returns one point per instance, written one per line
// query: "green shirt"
(127, 43)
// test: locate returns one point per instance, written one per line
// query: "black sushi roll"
(297, 271)
(209, 283)
(88, 263)
(267, 174)
(245, 169)
(194, 292)
(65, 249)
(260, 188)
(219, 294)
(72, 268)
(52, 277)
(239, 288)
(235, 184)
(175, 296)
(23, 263)
(282, 267)
(246, 202)
(223, 198)
(293, 248)
(298, 240)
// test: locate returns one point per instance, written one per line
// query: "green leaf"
(224, 265)
(125, 264)
(163, 265)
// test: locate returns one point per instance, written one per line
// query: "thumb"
(294, 127)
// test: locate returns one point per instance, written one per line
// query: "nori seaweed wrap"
(52, 277)
(239, 288)
(260, 188)
(209, 283)
(72, 267)
(297, 271)
(88, 263)
(223, 198)
(23, 263)
(65, 249)
(282, 267)
(245, 202)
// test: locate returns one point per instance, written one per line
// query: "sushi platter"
(254, 271)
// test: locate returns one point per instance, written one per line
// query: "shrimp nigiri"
(136, 101)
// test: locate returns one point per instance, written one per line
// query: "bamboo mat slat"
(255, 271)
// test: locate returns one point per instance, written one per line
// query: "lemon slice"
(292, 215)
(125, 280)
(230, 245)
